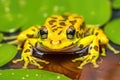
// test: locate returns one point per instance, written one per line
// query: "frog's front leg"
(103, 40)
(26, 55)
(93, 51)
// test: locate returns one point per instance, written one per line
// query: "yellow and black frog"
(63, 33)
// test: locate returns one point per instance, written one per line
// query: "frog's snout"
(55, 42)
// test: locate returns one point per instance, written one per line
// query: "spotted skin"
(60, 32)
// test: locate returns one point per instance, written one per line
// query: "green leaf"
(10, 23)
(112, 30)
(1, 37)
(17, 13)
(42, 10)
(30, 74)
(10, 17)
(7, 52)
(96, 12)
(116, 4)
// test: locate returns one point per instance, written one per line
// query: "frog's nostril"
(55, 42)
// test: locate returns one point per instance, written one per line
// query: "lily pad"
(96, 12)
(12, 25)
(7, 52)
(11, 19)
(1, 37)
(30, 74)
(17, 13)
(112, 30)
(41, 10)
(116, 4)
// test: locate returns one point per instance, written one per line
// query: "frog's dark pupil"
(43, 33)
(70, 34)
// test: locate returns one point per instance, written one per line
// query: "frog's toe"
(96, 65)
(80, 67)
(103, 54)
(47, 62)
(18, 48)
(113, 49)
(73, 60)
(116, 52)
(24, 67)
(38, 65)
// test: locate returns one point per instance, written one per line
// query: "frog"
(63, 33)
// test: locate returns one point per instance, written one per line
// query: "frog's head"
(59, 32)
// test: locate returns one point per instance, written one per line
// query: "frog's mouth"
(70, 48)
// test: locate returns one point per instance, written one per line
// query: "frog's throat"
(70, 48)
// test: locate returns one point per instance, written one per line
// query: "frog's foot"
(85, 62)
(32, 60)
(113, 49)
(86, 59)
(92, 56)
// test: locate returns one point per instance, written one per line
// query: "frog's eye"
(43, 32)
(70, 32)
